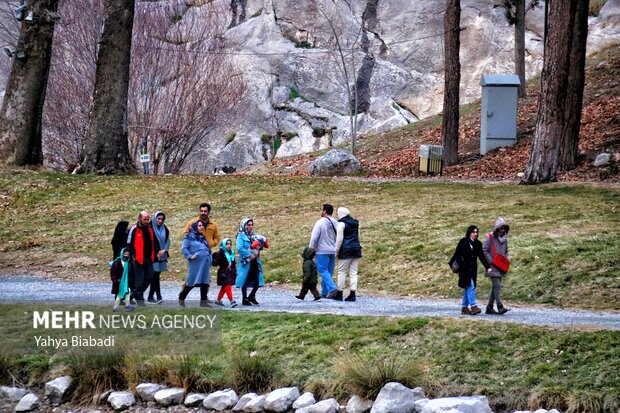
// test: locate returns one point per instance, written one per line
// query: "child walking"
(310, 277)
(227, 271)
(119, 273)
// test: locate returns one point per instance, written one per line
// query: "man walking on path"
(349, 252)
(323, 240)
(142, 244)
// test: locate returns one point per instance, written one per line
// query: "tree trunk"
(520, 44)
(569, 147)
(22, 107)
(106, 146)
(450, 123)
(551, 117)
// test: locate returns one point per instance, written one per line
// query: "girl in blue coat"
(195, 249)
(250, 270)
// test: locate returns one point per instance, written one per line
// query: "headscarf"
(343, 212)
(160, 231)
(119, 239)
(243, 226)
(123, 287)
(193, 232)
(230, 255)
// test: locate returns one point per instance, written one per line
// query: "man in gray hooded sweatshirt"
(496, 243)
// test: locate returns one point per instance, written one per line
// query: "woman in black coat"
(468, 251)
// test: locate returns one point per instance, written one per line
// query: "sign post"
(145, 158)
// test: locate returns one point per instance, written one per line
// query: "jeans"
(325, 264)
(469, 295)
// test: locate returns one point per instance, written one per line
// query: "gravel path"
(32, 289)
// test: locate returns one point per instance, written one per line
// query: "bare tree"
(452, 70)
(106, 148)
(20, 118)
(182, 82)
(553, 120)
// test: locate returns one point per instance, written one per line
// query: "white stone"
(27, 403)
(541, 411)
(168, 397)
(325, 406)
(257, 404)
(120, 400)
(56, 389)
(554, 411)
(394, 398)
(602, 159)
(305, 400)
(243, 400)
(335, 162)
(194, 399)
(281, 400)
(12, 394)
(220, 400)
(473, 404)
(356, 404)
(146, 391)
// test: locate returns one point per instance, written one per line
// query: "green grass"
(515, 366)
(564, 238)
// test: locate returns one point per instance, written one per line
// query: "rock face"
(297, 98)
(335, 162)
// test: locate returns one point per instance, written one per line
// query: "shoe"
(133, 302)
(208, 301)
(465, 311)
(475, 310)
(253, 300)
(490, 310)
(317, 299)
(159, 301)
(502, 310)
(337, 296)
(181, 302)
(122, 302)
(331, 294)
(151, 300)
(351, 296)
(141, 303)
(299, 297)
(218, 302)
(246, 302)
(233, 304)
(205, 303)
(129, 307)
(115, 310)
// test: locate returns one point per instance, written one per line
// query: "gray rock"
(243, 400)
(473, 404)
(418, 393)
(56, 390)
(27, 403)
(146, 391)
(357, 404)
(281, 400)
(305, 400)
(325, 406)
(120, 400)
(394, 398)
(602, 159)
(12, 394)
(194, 399)
(168, 397)
(257, 404)
(220, 400)
(335, 162)
(101, 397)
(554, 411)
(541, 411)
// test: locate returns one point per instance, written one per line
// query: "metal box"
(498, 117)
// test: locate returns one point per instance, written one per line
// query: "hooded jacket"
(309, 267)
(347, 236)
(467, 254)
(500, 244)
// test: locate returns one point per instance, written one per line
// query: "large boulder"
(473, 404)
(395, 398)
(335, 162)
(281, 400)
(120, 400)
(220, 400)
(56, 390)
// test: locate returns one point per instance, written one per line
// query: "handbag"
(499, 261)
(454, 265)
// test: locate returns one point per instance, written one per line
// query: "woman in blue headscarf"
(250, 269)
(195, 249)
(163, 236)
(227, 271)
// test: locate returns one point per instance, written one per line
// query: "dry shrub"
(549, 398)
(94, 374)
(255, 372)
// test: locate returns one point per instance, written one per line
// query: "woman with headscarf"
(120, 270)
(119, 239)
(195, 249)
(468, 252)
(161, 265)
(250, 270)
(496, 243)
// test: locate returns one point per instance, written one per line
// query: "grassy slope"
(565, 239)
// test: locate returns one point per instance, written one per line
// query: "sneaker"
(129, 307)
(490, 310)
(299, 297)
(218, 302)
(502, 310)
(233, 304)
(246, 302)
(133, 301)
(317, 299)
(465, 311)
(475, 310)
(159, 300)
(151, 300)
(253, 300)
(181, 302)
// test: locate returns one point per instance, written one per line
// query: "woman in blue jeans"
(467, 253)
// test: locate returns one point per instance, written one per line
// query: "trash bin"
(430, 159)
